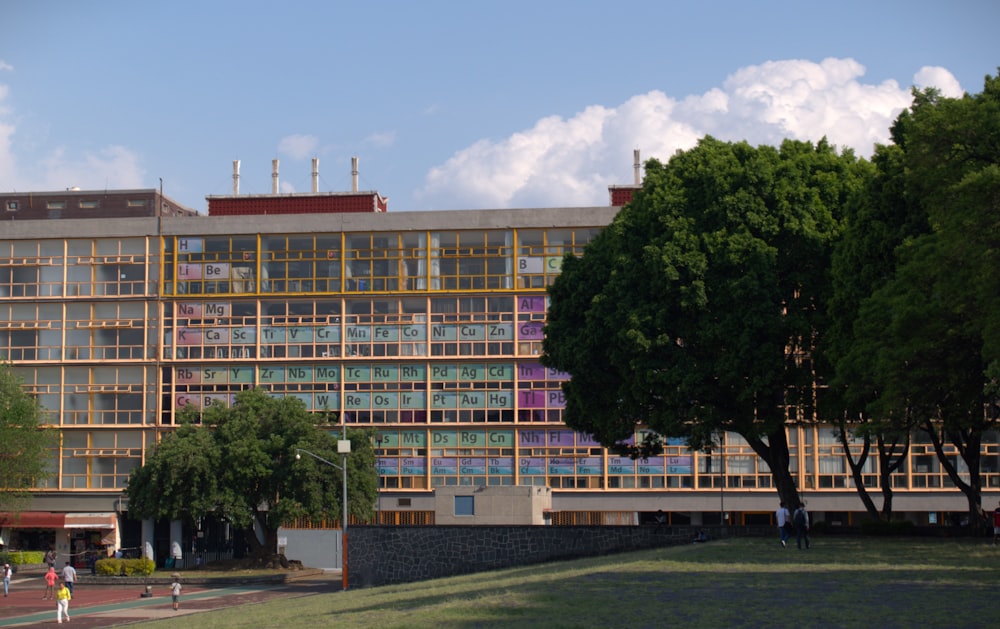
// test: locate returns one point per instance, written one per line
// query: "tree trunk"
(775, 454)
(888, 463)
(256, 548)
(856, 468)
(968, 443)
(270, 544)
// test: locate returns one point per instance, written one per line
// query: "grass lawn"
(840, 582)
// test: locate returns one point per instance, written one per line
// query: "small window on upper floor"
(137, 202)
(56, 205)
(12, 206)
(90, 205)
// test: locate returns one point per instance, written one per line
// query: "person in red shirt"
(50, 583)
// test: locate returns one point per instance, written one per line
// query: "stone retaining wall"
(382, 555)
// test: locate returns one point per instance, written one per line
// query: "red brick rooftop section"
(331, 203)
(620, 195)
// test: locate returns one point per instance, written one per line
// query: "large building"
(426, 326)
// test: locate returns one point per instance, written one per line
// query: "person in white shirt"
(7, 572)
(784, 520)
(175, 593)
(69, 576)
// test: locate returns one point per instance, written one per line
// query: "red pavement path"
(114, 605)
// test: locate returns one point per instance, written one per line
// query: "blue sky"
(458, 104)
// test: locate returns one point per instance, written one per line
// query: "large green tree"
(930, 330)
(25, 445)
(695, 311)
(878, 219)
(238, 463)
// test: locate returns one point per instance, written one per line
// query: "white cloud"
(572, 161)
(7, 162)
(298, 146)
(59, 168)
(935, 76)
(7, 129)
(543, 166)
(557, 161)
(111, 167)
(807, 101)
(381, 140)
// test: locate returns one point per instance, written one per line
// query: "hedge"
(23, 557)
(879, 527)
(113, 567)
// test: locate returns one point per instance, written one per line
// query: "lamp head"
(298, 456)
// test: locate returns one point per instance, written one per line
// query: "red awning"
(49, 520)
(91, 521)
(33, 520)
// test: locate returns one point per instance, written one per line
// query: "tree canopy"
(239, 464)
(25, 444)
(695, 311)
(878, 219)
(917, 340)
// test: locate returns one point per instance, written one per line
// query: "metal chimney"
(274, 176)
(637, 166)
(354, 174)
(236, 177)
(315, 175)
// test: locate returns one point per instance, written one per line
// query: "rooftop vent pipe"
(236, 177)
(274, 176)
(354, 174)
(315, 174)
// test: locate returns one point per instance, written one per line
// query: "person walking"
(50, 583)
(50, 558)
(996, 525)
(801, 521)
(175, 591)
(69, 576)
(784, 520)
(63, 596)
(7, 573)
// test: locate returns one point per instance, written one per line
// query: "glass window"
(465, 505)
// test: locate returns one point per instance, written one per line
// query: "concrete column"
(177, 542)
(147, 539)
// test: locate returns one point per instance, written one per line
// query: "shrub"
(142, 567)
(112, 567)
(23, 557)
(878, 527)
(108, 567)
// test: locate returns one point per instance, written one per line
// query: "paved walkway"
(98, 605)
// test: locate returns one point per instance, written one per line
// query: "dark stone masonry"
(383, 555)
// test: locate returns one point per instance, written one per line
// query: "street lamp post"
(344, 448)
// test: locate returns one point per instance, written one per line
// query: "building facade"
(426, 326)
